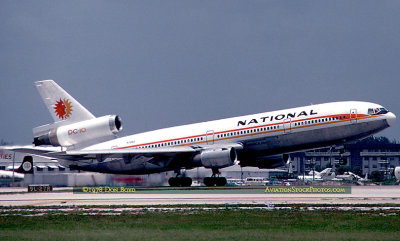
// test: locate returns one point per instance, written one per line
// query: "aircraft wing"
(90, 154)
(117, 153)
(152, 151)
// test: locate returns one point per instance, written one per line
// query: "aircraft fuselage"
(260, 135)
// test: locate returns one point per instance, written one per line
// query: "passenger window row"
(242, 132)
(321, 120)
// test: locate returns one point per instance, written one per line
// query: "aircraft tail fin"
(26, 165)
(61, 105)
(74, 126)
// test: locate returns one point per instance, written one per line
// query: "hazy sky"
(164, 63)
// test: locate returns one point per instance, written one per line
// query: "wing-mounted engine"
(216, 158)
(97, 129)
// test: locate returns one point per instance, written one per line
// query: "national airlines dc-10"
(261, 140)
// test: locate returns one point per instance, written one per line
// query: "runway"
(358, 195)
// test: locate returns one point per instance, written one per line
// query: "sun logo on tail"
(63, 109)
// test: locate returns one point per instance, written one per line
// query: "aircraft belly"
(121, 166)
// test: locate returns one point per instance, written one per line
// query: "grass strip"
(201, 224)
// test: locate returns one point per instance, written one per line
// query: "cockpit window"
(377, 111)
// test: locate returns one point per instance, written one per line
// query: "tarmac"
(164, 196)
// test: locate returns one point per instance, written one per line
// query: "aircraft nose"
(390, 118)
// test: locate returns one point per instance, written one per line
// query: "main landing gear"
(215, 179)
(179, 180)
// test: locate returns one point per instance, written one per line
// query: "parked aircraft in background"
(324, 175)
(328, 175)
(262, 140)
(8, 176)
(349, 176)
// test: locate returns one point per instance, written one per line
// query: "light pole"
(13, 169)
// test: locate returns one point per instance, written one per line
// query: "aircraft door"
(353, 116)
(287, 126)
(210, 137)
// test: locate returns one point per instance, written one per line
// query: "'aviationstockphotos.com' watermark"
(213, 190)
(309, 190)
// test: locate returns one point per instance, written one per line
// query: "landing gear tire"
(173, 182)
(208, 181)
(221, 181)
(180, 181)
(186, 182)
(214, 181)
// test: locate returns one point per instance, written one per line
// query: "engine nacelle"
(102, 128)
(217, 158)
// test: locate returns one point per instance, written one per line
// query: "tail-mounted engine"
(102, 128)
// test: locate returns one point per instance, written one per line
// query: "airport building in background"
(361, 158)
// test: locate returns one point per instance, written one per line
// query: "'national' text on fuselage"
(277, 117)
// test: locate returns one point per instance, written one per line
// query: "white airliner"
(261, 140)
(17, 175)
(6, 177)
